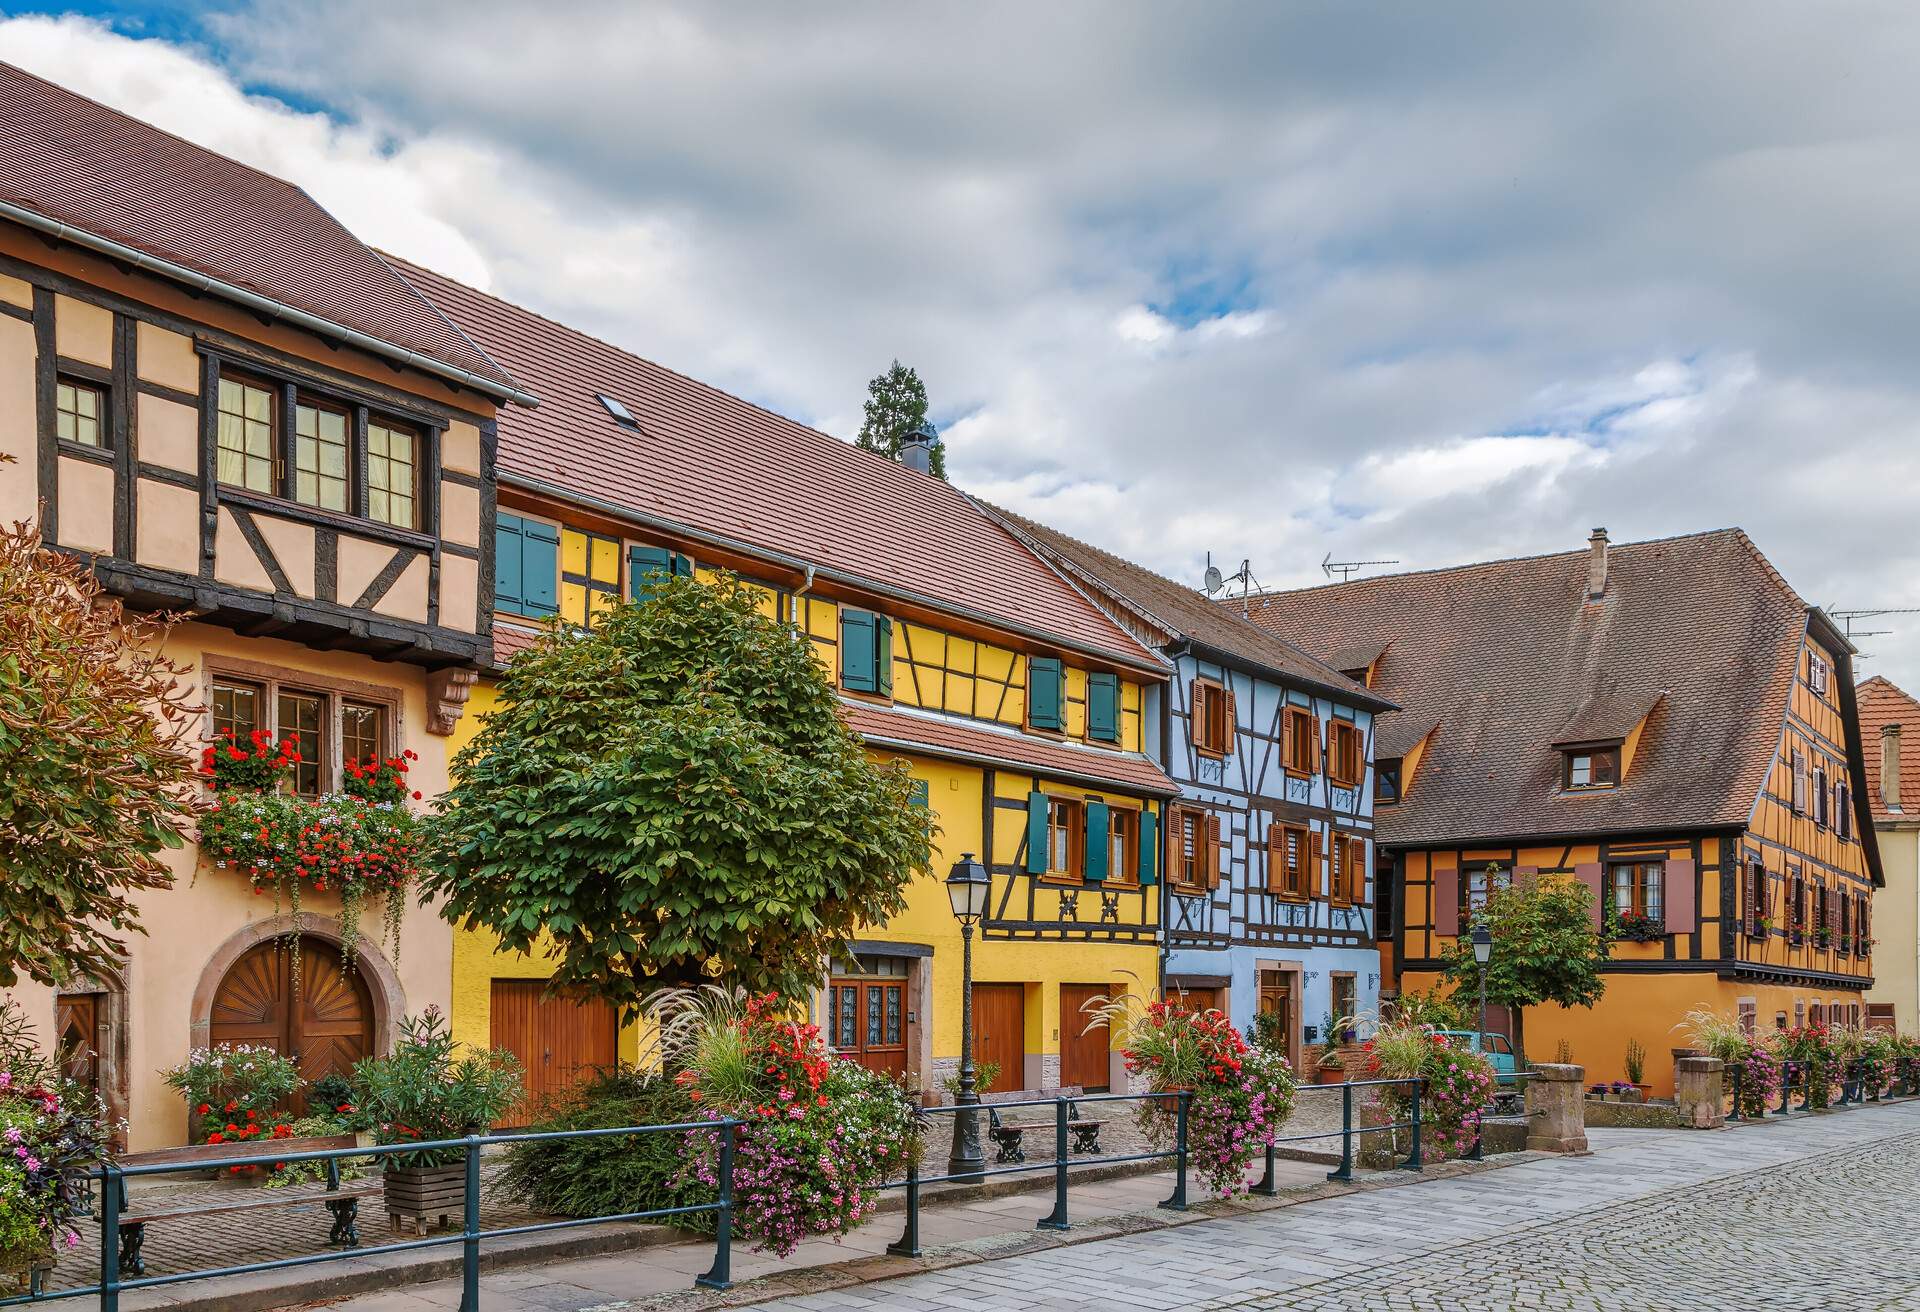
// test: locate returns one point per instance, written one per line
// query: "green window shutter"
(883, 654)
(1043, 692)
(1097, 844)
(857, 671)
(682, 566)
(1149, 848)
(642, 561)
(1103, 707)
(507, 576)
(539, 568)
(1037, 811)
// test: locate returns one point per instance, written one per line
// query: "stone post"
(1697, 1089)
(1556, 1110)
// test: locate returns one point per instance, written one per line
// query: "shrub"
(1458, 1084)
(615, 1174)
(984, 1074)
(232, 1090)
(48, 1125)
(421, 1092)
(1636, 1062)
(1439, 1010)
(1807, 1055)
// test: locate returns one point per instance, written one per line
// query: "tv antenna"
(1215, 580)
(1346, 569)
(1847, 617)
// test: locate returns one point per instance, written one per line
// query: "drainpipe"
(806, 586)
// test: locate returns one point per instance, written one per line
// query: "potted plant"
(420, 1092)
(1624, 1091)
(1458, 1084)
(1329, 1068)
(233, 1092)
(1637, 927)
(1636, 1064)
(49, 1126)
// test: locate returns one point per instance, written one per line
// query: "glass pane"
(361, 731)
(893, 1014)
(873, 1017)
(333, 460)
(377, 506)
(849, 1007)
(229, 396)
(259, 403)
(236, 710)
(306, 488)
(300, 719)
(63, 425)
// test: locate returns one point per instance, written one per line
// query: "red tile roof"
(76, 162)
(1883, 703)
(971, 740)
(1506, 658)
(710, 462)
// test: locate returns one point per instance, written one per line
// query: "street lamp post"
(1482, 953)
(967, 886)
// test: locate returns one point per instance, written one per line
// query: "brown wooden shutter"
(1319, 747)
(1357, 871)
(1315, 849)
(1213, 850)
(1525, 875)
(1446, 900)
(1799, 783)
(1228, 721)
(1677, 896)
(1590, 874)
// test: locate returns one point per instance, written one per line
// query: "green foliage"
(49, 1127)
(421, 1091)
(1269, 1033)
(984, 1074)
(672, 798)
(94, 729)
(896, 406)
(232, 1089)
(1545, 948)
(1636, 1062)
(614, 1174)
(1440, 1010)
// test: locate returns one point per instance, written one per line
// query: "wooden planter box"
(418, 1194)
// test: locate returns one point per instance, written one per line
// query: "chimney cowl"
(916, 449)
(1597, 565)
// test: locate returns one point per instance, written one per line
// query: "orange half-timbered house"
(1667, 722)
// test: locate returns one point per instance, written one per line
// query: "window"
(78, 412)
(300, 714)
(1103, 708)
(320, 457)
(589, 575)
(1066, 837)
(1817, 674)
(1843, 812)
(1195, 848)
(236, 709)
(392, 480)
(1863, 924)
(1820, 796)
(1846, 921)
(1346, 1006)
(1593, 767)
(1749, 1017)
(1123, 845)
(866, 652)
(1346, 753)
(363, 732)
(1822, 927)
(1796, 905)
(646, 563)
(1634, 888)
(1799, 799)
(1386, 782)
(247, 453)
(358, 717)
(1300, 741)
(1046, 694)
(1482, 878)
(1212, 718)
(1355, 869)
(621, 415)
(1759, 906)
(526, 566)
(1384, 878)
(1287, 849)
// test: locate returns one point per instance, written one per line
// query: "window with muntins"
(363, 733)
(79, 412)
(320, 448)
(1634, 888)
(1287, 848)
(1346, 753)
(1386, 782)
(1066, 830)
(589, 575)
(1123, 845)
(393, 479)
(1593, 767)
(246, 452)
(313, 718)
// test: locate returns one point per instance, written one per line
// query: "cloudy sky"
(1427, 283)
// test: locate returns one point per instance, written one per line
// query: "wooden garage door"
(326, 1028)
(1000, 1033)
(558, 1040)
(1083, 1056)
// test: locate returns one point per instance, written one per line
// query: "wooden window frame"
(271, 680)
(1392, 768)
(276, 436)
(1340, 734)
(1821, 802)
(1819, 674)
(1644, 875)
(1211, 718)
(1206, 858)
(1289, 883)
(1843, 812)
(102, 416)
(1798, 801)
(365, 465)
(1796, 907)
(1123, 869)
(1590, 752)
(1354, 868)
(1299, 725)
(1468, 871)
(1070, 813)
(1757, 900)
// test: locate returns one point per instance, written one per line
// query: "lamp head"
(967, 885)
(1482, 944)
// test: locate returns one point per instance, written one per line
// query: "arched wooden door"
(326, 1028)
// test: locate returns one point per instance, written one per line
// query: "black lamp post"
(967, 885)
(1482, 953)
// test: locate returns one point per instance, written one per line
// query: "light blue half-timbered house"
(1268, 881)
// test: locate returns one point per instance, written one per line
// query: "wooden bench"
(1008, 1136)
(344, 1203)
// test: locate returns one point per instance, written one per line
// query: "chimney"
(916, 448)
(1890, 766)
(1597, 565)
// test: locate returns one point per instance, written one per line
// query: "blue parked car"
(1495, 1049)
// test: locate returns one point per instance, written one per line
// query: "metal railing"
(1903, 1080)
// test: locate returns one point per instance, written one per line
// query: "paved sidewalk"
(1652, 1219)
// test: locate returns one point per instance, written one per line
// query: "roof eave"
(1352, 694)
(59, 230)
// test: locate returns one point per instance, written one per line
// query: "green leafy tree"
(96, 771)
(1545, 949)
(896, 408)
(671, 798)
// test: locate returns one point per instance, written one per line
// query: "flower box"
(417, 1193)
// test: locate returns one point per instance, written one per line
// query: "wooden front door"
(1000, 1033)
(867, 1020)
(1276, 1000)
(1083, 1052)
(77, 1025)
(325, 1029)
(557, 1040)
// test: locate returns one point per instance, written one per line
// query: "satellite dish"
(1215, 581)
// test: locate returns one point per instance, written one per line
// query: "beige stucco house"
(1890, 723)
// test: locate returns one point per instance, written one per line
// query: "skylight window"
(621, 415)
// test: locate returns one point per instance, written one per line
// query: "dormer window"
(1592, 767)
(1386, 782)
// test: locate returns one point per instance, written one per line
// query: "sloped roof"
(705, 460)
(1504, 656)
(75, 163)
(1882, 703)
(1185, 613)
(973, 740)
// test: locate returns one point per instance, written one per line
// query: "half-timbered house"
(1021, 708)
(235, 411)
(1667, 722)
(1267, 899)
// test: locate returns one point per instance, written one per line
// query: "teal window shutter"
(1103, 707)
(883, 654)
(1097, 842)
(682, 566)
(642, 561)
(539, 568)
(1038, 809)
(1043, 693)
(858, 672)
(1149, 848)
(507, 575)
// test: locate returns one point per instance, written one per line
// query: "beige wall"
(1896, 926)
(19, 478)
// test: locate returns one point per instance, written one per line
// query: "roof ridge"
(432, 304)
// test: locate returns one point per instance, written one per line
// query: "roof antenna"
(1847, 617)
(1348, 568)
(1215, 581)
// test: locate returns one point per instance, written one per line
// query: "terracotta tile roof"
(509, 640)
(1505, 656)
(704, 460)
(1185, 613)
(972, 740)
(76, 162)
(1883, 703)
